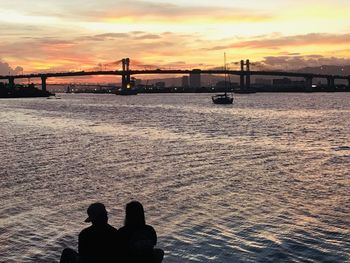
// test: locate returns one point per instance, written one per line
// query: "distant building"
(262, 81)
(195, 79)
(282, 82)
(160, 85)
(184, 81)
(222, 84)
(138, 82)
(298, 83)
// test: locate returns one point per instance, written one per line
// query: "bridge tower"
(11, 83)
(43, 83)
(241, 76)
(308, 84)
(245, 75)
(330, 83)
(126, 74)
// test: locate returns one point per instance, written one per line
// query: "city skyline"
(82, 35)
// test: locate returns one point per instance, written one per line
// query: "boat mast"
(225, 68)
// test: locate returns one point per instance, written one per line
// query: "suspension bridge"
(126, 72)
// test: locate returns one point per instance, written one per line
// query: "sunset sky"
(52, 35)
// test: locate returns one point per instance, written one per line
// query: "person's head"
(97, 214)
(134, 214)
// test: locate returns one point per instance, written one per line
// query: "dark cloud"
(10, 29)
(283, 41)
(148, 36)
(297, 62)
(5, 69)
(105, 36)
(289, 54)
(48, 40)
(138, 35)
(315, 56)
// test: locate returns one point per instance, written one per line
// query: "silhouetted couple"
(101, 242)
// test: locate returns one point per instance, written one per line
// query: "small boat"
(126, 92)
(222, 99)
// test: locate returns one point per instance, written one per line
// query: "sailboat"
(223, 98)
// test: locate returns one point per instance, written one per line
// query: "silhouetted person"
(138, 239)
(97, 243)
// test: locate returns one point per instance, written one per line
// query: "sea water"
(266, 179)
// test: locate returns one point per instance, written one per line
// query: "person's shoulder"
(122, 230)
(111, 228)
(150, 228)
(85, 231)
(151, 232)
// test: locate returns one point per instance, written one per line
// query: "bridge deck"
(158, 71)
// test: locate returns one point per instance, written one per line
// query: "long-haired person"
(138, 239)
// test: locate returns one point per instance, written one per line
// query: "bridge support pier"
(241, 81)
(330, 83)
(242, 76)
(11, 83)
(247, 83)
(125, 81)
(125, 76)
(43, 83)
(308, 84)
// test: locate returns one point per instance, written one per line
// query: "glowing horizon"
(82, 35)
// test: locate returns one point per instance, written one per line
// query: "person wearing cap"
(98, 242)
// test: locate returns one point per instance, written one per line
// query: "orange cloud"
(162, 50)
(89, 52)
